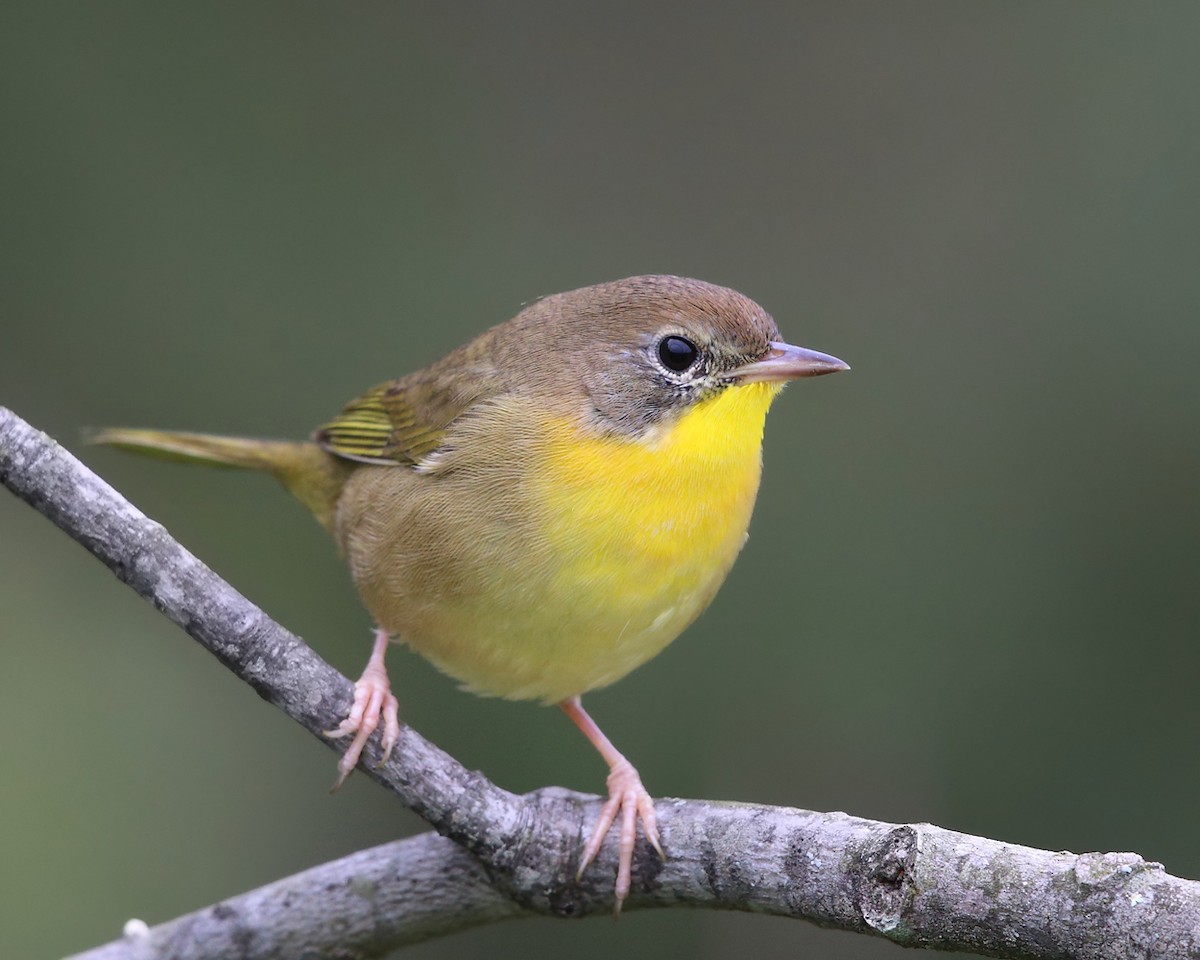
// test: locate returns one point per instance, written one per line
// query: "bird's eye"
(677, 353)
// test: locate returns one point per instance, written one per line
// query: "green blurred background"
(971, 591)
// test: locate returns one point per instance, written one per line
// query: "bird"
(546, 507)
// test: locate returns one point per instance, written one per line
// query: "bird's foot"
(373, 702)
(631, 801)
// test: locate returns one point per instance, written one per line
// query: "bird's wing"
(401, 422)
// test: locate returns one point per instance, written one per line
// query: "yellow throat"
(642, 533)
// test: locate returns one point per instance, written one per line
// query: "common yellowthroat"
(547, 507)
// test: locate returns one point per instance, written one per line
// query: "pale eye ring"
(677, 353)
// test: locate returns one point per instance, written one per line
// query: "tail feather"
(314, 477)
(198, 447)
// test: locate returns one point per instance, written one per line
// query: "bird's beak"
(785, 362)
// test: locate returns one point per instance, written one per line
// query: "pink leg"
(626, 796)
(373, 700)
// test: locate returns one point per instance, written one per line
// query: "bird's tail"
(314, 477)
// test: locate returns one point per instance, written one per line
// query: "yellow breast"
(645, 531)
(556, 572)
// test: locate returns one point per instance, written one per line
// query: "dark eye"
(677, 353)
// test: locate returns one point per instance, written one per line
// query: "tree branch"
(916, 884)
(364, 905)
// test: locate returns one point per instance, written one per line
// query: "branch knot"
(887, 888)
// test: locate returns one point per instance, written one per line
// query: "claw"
(626, 798)
(631, 801)
(373, 701)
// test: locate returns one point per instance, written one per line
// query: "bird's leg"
(626, 796)
(373, 700)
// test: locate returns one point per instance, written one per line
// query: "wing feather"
(401, 422)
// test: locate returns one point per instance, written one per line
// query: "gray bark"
(508, 856)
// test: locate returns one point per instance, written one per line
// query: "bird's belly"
(623, 545)
(618, 574)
